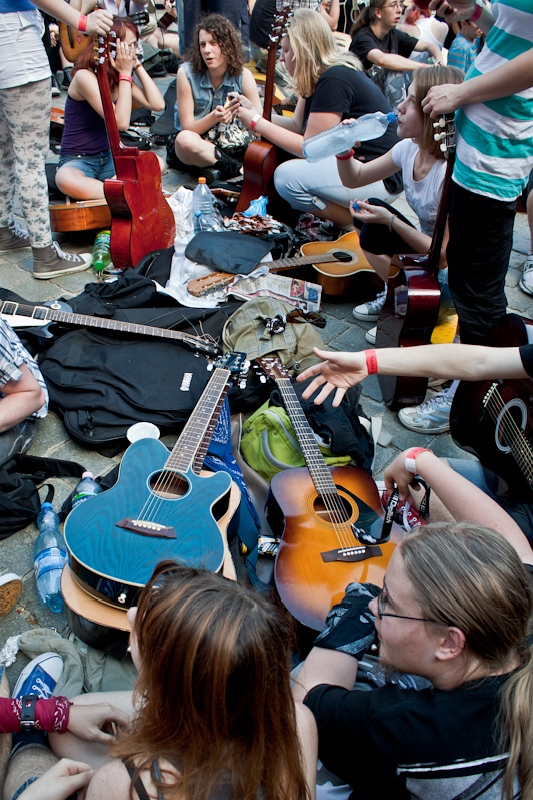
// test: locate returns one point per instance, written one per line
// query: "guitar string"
(515, 435)
(315, 462)
(188, 444)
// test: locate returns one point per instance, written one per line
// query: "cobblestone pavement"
(342, 332)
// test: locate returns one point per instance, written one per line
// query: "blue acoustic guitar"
(159, 508)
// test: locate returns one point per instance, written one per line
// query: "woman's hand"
(455, 10)
(61, 781)
(244, 102)
(222, 114)
(88, 721)
(170, 8)
(442, 99)
(99, 22)
(246, 115)
(369, 213)
(125, 58)
(337, 372)
(396, 475)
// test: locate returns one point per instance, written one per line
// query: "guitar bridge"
(147, 528)
(350, 554)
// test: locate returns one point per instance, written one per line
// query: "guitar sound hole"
(169, 485)
(342, 256)
(338, 509)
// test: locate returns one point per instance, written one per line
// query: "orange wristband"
(371, 362)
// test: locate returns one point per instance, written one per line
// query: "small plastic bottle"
(86, 488)
(102, 251)
(203, 212)
(340, 138)
(49, 558)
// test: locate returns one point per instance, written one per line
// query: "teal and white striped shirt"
(495, 139)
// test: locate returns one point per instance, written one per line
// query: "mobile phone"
(356, 206)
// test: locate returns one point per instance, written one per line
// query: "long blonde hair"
(314, 50)
(470, 577)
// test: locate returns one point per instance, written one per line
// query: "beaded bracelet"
(346, 157)
(82, 23)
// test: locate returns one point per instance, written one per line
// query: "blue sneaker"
(433, 416)
(40, 676)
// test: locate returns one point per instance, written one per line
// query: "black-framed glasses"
(382, 614)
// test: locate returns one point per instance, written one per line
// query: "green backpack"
(269, 444)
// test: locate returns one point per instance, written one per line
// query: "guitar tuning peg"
(443, 148)
(440, 123)
(242, 384)
(262, 379)
(210, 367)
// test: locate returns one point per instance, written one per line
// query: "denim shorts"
(99, 166)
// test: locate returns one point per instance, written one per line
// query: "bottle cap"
(391, 116)
(201, 180)
(198, 213)
(46, 505)
(87, 474)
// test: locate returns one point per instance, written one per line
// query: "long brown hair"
(213, 694)
(471, 578)
(423, 81)
(228, 39)
(367, 16)
(86, 59)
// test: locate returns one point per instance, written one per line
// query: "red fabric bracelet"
(82, 23)
(50, 715)
(124, 77)
(346, 158)
(476, 15)
(371, 362)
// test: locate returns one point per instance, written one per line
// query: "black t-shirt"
(350, 93)
(261, 21)
(401, 743)
(396, 42)
(526, 354)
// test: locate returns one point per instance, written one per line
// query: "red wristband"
(371, 362)
(347, 157)
(254, 121)
(477, 13)
(82, 23)
(411, 456)
(124, 77)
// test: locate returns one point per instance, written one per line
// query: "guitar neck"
(43, 314)
(314, 459)
(196, 435)
(109, 111)
(217, 280)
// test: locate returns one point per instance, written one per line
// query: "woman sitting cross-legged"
(331, 87)
(86, 160)
(213, 717)
(208, 138)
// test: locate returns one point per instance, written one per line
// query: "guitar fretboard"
(194, 439)
(11, 309)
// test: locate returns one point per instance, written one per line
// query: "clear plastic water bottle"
(49, 558)
(203, 211)
(340, 138)
(102, 251)
(86, 488)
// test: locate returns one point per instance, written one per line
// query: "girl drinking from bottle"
(384, 231)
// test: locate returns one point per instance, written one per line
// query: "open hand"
(442, 99)
(336, 373)
(125, 57)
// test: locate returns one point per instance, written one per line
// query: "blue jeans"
(99, 166)
(488, 481)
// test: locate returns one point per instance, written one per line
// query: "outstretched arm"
(99, 21)
(339, 371)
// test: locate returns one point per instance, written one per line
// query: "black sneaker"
(67, 78)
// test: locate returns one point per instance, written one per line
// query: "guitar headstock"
(272, 366)
(445, 134)
(237, 364)
(104, 46)
(281, 22)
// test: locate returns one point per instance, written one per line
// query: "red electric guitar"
(141, 218)
(410, 312)
(262, 157)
